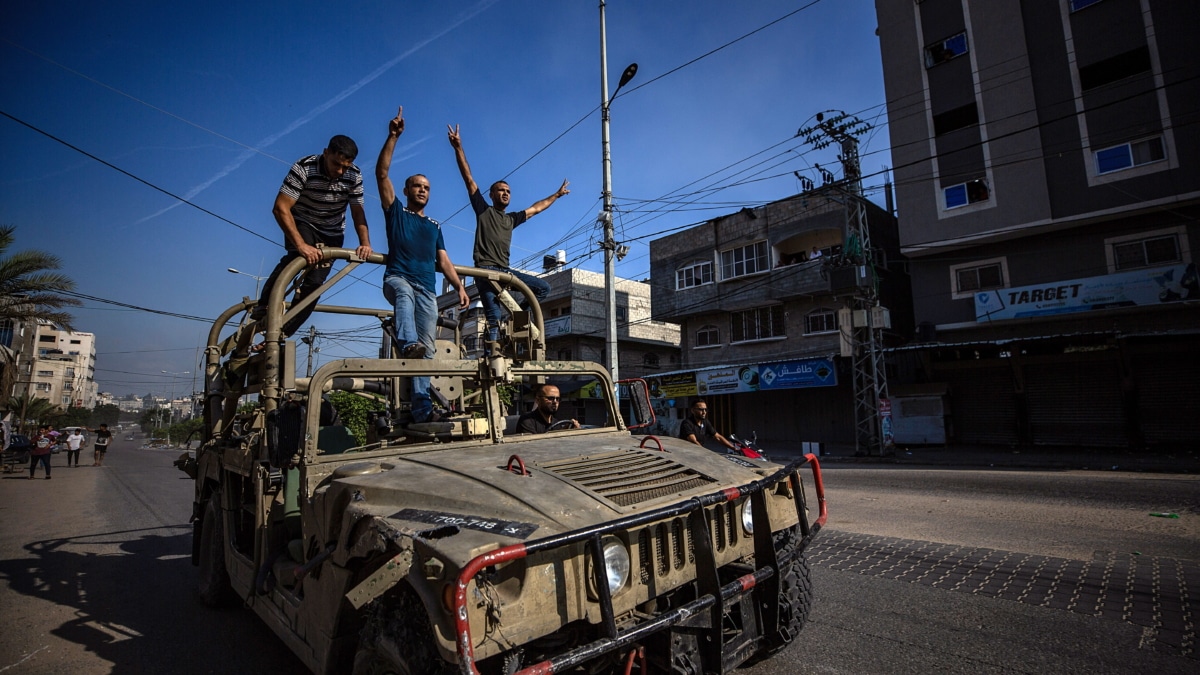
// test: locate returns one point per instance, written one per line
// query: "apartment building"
(764, 298)
(57, 365)
(1047, 166)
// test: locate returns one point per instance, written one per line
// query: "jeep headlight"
(616, 562)
(747, 517)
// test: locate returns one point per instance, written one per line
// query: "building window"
(708, 336)
(650, 360)
(45, 373)
(1147, 252)
(46, 338)
(760, 323)
(76, 342)
(695, 274)
(471, 343)
(979, 275)
(958, 118)
(744, 260)
(1115, 68)
(69, 373)
(967, 193)
(944, 50)
(622, 314)
(68, 387)
(1129, 155)
(1077, 5)
(42, 386)
(820, 321)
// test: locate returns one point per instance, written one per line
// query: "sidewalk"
(1185, 461)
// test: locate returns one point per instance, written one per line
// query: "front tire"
(398, 640)
(795, 591)
(212, 583)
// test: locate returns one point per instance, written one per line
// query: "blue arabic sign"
(797, 374)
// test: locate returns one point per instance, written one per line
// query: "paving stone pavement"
(1159, 594)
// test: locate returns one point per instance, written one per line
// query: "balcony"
(803, 279)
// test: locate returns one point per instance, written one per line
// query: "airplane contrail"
(312, 114)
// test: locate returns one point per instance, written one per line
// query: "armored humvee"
(459, 546)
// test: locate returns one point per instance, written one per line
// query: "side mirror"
(635, 404)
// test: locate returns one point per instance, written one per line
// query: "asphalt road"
(918, 570)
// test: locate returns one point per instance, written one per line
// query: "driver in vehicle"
(541, 419)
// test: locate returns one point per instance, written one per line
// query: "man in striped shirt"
(311, 209)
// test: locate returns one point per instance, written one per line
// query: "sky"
(146, 141)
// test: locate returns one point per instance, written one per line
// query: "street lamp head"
(232, 271)
(626, 76)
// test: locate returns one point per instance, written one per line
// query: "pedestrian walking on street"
(43, 443)
(74, 443)
(103, 438)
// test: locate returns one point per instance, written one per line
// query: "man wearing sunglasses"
(541, 418)
(697, 427)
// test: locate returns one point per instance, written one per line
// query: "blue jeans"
(44, 460)
(491, 306)
(416, 321)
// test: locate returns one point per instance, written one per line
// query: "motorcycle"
(747, 448)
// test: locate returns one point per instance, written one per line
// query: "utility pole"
(611, 351)
(311, 341)
(867, 317)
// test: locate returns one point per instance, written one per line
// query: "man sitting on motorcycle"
(696, 427)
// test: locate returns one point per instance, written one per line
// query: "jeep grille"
(668, 546)
(628, 476)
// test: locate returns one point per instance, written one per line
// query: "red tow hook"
(522, 471)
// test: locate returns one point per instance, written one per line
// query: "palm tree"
(30, 290)
(26, 407)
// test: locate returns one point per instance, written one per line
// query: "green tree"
(30, 290)
(31, 410)
(353, 410)
(105, 413)
(178, 433)
(74, 417)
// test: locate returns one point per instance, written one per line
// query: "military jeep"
(460, 546)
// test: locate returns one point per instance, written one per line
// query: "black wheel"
(212, 582)
(795, 591)
(398, 640)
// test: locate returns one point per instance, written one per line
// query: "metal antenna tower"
(867, 317)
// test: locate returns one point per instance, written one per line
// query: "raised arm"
(387, 192)
(461, 156)
(544, 204)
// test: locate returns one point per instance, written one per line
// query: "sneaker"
(47, 477)
(414, 350)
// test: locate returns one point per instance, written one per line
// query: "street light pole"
(255, 277)
(611, 351)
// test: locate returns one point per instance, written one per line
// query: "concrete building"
(1047, 163)
(57, 365)
(764, 322)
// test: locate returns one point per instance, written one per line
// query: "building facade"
(763, 299)
(1047, 164)
(57, 365)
